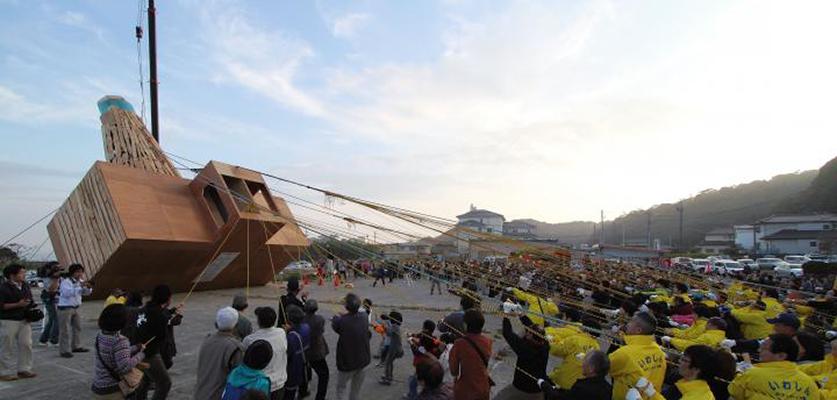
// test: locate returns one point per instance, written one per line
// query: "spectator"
(777, 354)
(299, 336)
(248, 375)
(454, 323)
(426, 349)
(49, 296)
(70, 290)
(593, 384)
(639, 358)
(152, 330)
(430, 376)
(291, 298)
(116, 296)
(696, 369)
(277, 369)
(469, 360)
(353, 353)
(15, 330)
(317, 351)
(219, 354)
(243, 327)
(532, 355)
(395, 350)
(115, 357)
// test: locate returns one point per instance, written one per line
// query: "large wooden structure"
(133, 222)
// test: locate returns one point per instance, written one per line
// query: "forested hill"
(808, 191)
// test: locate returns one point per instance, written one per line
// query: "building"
(519, 229)
(407, 250)
(797, 234)
(483, 221)
(745, 237)
(626, 253)
(717, 241)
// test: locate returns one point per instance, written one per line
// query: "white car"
(786, 269)
(728, 267)
(700, 264)
(768, 263)
(299, 265)
(748, 263)
(797, 259)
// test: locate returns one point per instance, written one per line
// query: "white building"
(745, 238)
(797, 234)
(717, 241)
(482, 221)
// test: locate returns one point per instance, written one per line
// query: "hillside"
(820, 196)
(814, 190)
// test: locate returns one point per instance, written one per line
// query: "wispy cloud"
(262, 60)
(346, 26)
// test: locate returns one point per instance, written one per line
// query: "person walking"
(15, 330)
(115, 357)
(353, 354)
(219, 354)
(317, 351)
(152, 330)
(277, 369)
(70, 290)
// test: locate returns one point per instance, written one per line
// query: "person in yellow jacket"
(776, 376)
(696, 368)
(714, 334)
(773, 307)
(702, 315)
(639, 359)
(538, 306)
(753, 321)
(566, 374)
(825, 373)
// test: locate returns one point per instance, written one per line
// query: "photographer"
(51, 274)
(15, 300)
(70, 290)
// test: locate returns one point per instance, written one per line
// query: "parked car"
(768, 263)
(728, 267)
(786, 269)
(818, 257)
(700, 264)
(299, 265)
(797, 259)
(33, 280)
(681, 261)
(748, 263)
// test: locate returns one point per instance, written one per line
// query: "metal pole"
(601, 228)
(152, 56)
(680, 210)
(648, 230)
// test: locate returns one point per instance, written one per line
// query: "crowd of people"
(581, 329)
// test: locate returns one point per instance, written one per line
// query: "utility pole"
(623, 232)
(152, 60)
(648, 229)
(602, 233)
(680, 211)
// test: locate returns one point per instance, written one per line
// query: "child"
(393, 334)
(249, 374)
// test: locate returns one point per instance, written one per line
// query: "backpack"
(234, 392)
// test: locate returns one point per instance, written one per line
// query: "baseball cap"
(788, 319)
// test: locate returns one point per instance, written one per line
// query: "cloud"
(345, 26)
(264, 61)
(79, 20)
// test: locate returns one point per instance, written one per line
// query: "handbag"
(482, 357)
(129, 382)
(33, 314)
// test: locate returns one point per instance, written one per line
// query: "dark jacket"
(168, 349)
(298, 343)
(152, 323)
(9, 293)
(319, 348)
(353, 344)
(595, 388)
(284, 301)
(531, 358)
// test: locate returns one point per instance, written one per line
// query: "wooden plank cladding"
(127, 142)
(87, 229)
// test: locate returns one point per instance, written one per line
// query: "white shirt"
(70, 292)
(277, 369)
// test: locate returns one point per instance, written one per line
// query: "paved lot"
(60, 378)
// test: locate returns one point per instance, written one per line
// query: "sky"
(550, 110)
